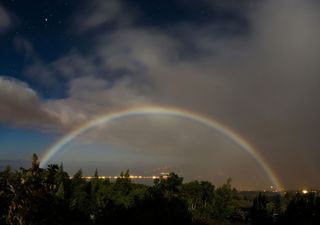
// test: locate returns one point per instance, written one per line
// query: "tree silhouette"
(49, 196)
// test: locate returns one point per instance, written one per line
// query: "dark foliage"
(49, 196)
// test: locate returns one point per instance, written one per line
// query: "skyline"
(252, 66)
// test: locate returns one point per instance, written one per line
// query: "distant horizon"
(88, 171)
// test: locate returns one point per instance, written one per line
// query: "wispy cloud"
(5, 20)
(98, 13)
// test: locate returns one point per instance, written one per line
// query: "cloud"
(5, 20)
(21, 106)
(98, 13)
(24, 47)
(37, 70)
(42, 74)
(91, 96)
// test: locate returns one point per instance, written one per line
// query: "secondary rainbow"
(165, 111)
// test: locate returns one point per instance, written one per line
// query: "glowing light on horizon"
(166, 111)
(133, 177)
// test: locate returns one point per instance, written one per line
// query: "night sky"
(252, 65)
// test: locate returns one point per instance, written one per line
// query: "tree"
(260, 213)
(170, 186)
(35, 163)
(5, 196)
(224, 203)
(201, 198)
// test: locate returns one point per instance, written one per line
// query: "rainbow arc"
(165, 111)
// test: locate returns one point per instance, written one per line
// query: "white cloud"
(91, 96)
(21, 106)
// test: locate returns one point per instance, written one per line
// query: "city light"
(133, 177)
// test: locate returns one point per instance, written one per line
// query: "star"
(46, 19)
